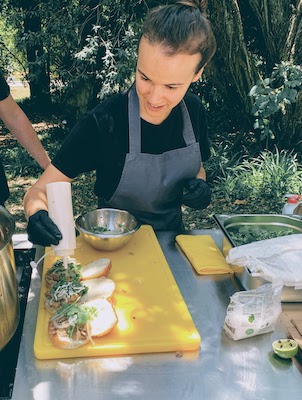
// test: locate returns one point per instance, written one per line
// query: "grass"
(20, 92)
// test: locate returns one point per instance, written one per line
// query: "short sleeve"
(79, 152)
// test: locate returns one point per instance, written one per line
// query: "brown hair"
(181, 27)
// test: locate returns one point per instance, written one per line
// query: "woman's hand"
(42, 230)
(198, 194)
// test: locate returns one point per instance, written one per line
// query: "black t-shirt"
(4, 88)
(100, 141)
(4, 191)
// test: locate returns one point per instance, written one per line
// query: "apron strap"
(187, 131)
(135, 138)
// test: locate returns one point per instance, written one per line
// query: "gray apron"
(151, 185)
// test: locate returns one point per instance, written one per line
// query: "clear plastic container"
(61, 212)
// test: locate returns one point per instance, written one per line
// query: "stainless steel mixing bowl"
(119, 227)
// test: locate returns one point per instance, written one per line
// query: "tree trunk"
(232, 69)
(252, 37)
(39, 81)
(292, 49)
(274, 18)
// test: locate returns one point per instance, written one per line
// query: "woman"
(145, 144)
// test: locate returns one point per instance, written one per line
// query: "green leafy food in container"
(249, 234)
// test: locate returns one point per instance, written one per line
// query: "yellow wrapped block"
(203, 254)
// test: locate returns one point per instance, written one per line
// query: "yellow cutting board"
(152, 315)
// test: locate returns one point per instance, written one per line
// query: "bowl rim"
(102, 235)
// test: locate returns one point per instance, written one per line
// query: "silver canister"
(9, 300)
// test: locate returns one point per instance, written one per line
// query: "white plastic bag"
(253, 312)
(278, 259)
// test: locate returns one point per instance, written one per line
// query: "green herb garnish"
(76, 315)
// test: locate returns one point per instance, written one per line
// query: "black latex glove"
(42, 230)
(198, 194)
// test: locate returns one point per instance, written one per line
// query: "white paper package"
(253, 312)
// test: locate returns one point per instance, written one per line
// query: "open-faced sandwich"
(58, 272)
(69, 327)
(95, 269)
(74, 325)
(63, 292)
(80, 299)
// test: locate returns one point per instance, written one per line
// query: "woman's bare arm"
(20, 127)
(202, 173)
(35, 198)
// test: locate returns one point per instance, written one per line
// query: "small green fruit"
(285, 348)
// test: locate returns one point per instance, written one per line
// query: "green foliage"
(10, 54)
(273, 94)
(18, 162)
(222, 158)
(119, 59)
(89, 46)
(267, 177)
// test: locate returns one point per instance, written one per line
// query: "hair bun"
(201, 5)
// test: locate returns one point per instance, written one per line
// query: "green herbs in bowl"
(107, 229)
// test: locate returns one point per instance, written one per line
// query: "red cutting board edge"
(153, 316)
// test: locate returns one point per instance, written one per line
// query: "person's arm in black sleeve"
(80, 149)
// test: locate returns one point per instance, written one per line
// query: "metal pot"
(9, 301)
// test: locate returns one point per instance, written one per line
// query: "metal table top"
(221, 369)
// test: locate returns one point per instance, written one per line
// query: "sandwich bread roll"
(95, 269)
(105, 319)
(98, 288)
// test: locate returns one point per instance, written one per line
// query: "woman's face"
(162, 80)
